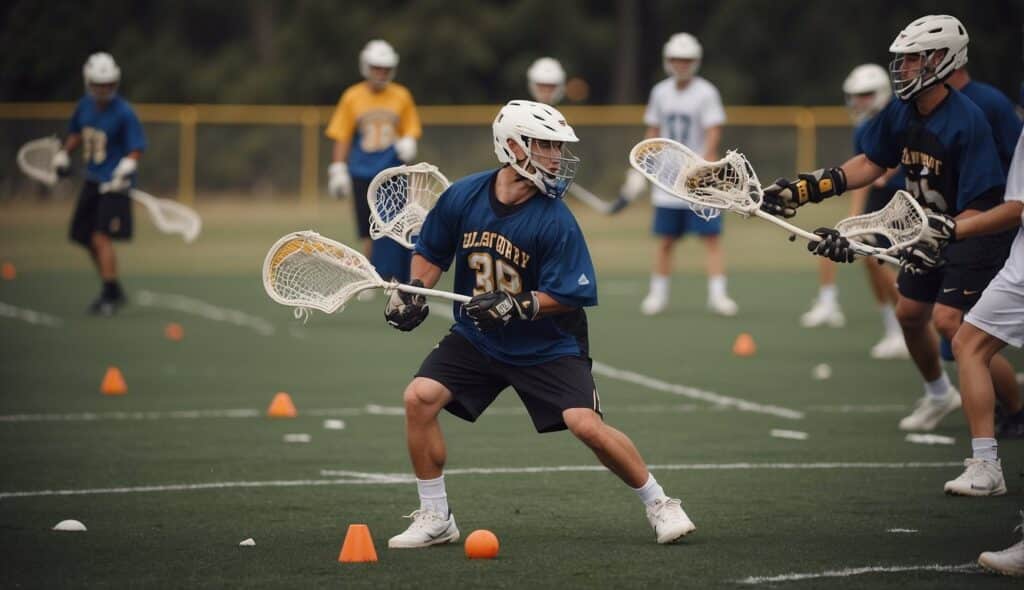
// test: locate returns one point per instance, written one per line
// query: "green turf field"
(172, 476)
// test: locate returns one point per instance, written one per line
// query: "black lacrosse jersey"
(533, 246)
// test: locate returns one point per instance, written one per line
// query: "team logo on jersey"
(499, 243)
(928, 162)
(583, 281)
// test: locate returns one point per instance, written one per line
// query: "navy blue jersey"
(1001, 116)
(896, 181)
(108, 135)
(949, 157)
(534, 246)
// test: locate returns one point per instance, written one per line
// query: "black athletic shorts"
(970, 265)
(476, 379)
(109, 214)
(359, 189)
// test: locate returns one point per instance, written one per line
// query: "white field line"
(790, 434)
(859, 409)
(930, 439)
(445, 312)
(190, 305)
(31, 316)
(367, 478)
(904, 531)
(965, 568)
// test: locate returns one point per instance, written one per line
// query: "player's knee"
(947, 321)
(423, 395)
(585, 425)
(912, 316)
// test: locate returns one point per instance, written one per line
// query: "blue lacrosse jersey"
(898, 180)
(949, 157)
(1001, 116)
(108, 135)
(534, 246)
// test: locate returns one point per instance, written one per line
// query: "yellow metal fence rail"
(311, 120)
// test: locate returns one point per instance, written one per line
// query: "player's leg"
(668, 227)
(113, 222)
(882, 281)
(361, 209)
(825, 311)
(710, 231)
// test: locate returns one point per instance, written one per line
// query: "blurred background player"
(688, 109)
(867, 92)
(545, 80)
(375, 126)
(518, 251)
(112, 141)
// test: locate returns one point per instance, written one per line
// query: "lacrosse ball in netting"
(821, 371)
(481, 544)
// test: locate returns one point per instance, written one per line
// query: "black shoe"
(106, 306)
(1010, 427)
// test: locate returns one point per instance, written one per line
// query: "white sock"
(939, 387)
(651, 491)
(432, 495)
(828, 294)
(660, 285)
(985, 448)
(716, 286)
(889, 321)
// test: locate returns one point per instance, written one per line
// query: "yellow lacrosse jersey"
(373, 121)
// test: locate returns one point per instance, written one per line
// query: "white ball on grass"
(821, 371)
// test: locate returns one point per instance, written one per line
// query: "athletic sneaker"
(654, 304)
(980, 478)
(723, 305)
(669, 520)
(1009, 561)
(823, 313)
(890, 347)
(930, 410)
(106, 306)
(427, 528)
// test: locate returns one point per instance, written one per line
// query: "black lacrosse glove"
(783, 197)
(405, 311)
(921, 258)
(941, 229)
(496, 309)
(832, 245)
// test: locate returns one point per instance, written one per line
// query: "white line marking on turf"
(907, 531)
(31, 316)
(790, 434)
(203, 309)
(965, 568)
(693, 392)
(930, 439)
(365, 478)
(859, 409)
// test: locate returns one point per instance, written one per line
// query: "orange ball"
(174, 332)
(481, 544)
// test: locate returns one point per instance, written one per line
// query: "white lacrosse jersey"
(684, 116)
(1013, 270)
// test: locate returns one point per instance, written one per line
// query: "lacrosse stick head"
(170, 217)
(902, 221)
(729, 184)
(306, 270)
(35, 159)
(400, 199)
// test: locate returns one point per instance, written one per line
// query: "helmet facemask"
(548, 164)
(912, 73)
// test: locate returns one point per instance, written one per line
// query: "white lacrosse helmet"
(925, 37)
(523, 121)
(867, 79)
(546, 70)
(380, 54)
(101, 68)
(682, 46)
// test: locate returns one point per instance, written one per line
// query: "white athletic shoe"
(654, 304)
(1009, 561)
(823, 314)
(931, 410)
(890, 347)
(980, 478)
(723, 305)
(669, 520)
(427, 528)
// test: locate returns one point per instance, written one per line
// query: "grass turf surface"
(570, 529)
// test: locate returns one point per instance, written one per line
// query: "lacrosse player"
(995, 320)
(867, 92)
(112, 141)
(546, 81)
(686, 108)
(375, 126)
(520, 254)
(945, 146)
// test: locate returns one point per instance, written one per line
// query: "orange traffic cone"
(744, 345)
(174, 332)
(281, 406)
(358, 545)
(8, 272)
(113, 382)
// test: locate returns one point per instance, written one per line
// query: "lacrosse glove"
(783, 197)
(921, 258)
(496, 309)
(405, 311)
(832, 245)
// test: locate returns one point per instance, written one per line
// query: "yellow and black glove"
(783, 197)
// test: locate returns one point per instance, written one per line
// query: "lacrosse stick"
(170, 217)
(400, 199)
(902, 221)
(729, 184)
(595, 202)
(306, 270)
(35, 158)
